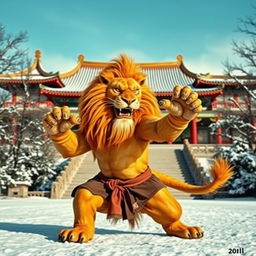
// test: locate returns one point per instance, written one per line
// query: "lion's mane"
(96, 113)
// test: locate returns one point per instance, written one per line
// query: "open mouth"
(123, 112)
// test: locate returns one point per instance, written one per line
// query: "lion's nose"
(128, 101)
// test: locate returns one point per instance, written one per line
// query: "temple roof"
(161, 77)
(34, 74)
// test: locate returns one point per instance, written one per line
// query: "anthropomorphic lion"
(119, 116)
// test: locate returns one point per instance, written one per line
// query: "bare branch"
(11, 54)
(247, 26)
(238, 106)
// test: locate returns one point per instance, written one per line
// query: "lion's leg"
(165, 210)
(85, 205)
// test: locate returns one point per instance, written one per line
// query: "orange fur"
(97, 115)
(221, 172)
(101, 128)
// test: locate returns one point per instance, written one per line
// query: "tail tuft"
(222, 171)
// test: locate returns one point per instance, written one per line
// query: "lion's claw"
(81, 240)
(79, 234)
(180, 230)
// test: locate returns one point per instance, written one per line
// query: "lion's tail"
(221, 172)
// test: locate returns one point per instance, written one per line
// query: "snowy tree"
(25, 153)
(240, 125)
(244, 161)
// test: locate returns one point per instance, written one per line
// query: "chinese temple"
(48, 89)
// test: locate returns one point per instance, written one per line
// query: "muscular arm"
(167, 128)
(183, 107)
(70, 143)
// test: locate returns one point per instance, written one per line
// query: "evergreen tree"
(240, 126)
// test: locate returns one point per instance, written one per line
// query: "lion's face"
(124, 96)
(114, 103)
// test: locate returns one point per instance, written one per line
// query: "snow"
(29, 227)
(205, 162)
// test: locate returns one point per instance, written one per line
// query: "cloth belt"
(120, 194)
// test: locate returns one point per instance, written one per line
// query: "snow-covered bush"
(25, 154)
(32, 165)
(244, 161)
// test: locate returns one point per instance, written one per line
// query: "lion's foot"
(78, 234)
(180, 230)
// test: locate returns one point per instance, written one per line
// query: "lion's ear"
(140, 78)
(106, 77)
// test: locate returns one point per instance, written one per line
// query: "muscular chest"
(129, 151)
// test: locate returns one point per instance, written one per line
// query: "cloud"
(56, 62)
(212, 57)
(205, 64)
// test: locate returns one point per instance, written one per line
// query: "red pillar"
(219, 134)
(14, 98)
(193, 132)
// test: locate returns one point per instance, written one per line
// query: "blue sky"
(148, 30)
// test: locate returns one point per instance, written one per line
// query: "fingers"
(68, 124)
(198, 109)
(173, 107)
(51, 130)
(165, 103)
(61, 113)
(60, 120)
(65, 112)
(185, 93)
(176, 91)
(197, 103)
(181, 92)
(49, 119)
(192, 97)
(57, 113)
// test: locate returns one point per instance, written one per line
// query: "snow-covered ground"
(29, 227)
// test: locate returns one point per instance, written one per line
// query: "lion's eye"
(137, 91)
(117, 90)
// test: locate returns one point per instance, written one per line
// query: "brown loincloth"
(129, 195)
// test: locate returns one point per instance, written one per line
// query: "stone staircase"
(169, 159)
(87, 170)
(164, 158)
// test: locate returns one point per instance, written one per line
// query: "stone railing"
(204, 150)
(194, 151)
(39, 193)
(200, 174)
(65, 177)
(197, 171)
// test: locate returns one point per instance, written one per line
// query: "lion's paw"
(180, 230)
(78, 234)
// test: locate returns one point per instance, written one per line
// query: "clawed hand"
(59, 120)
(184, 103)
